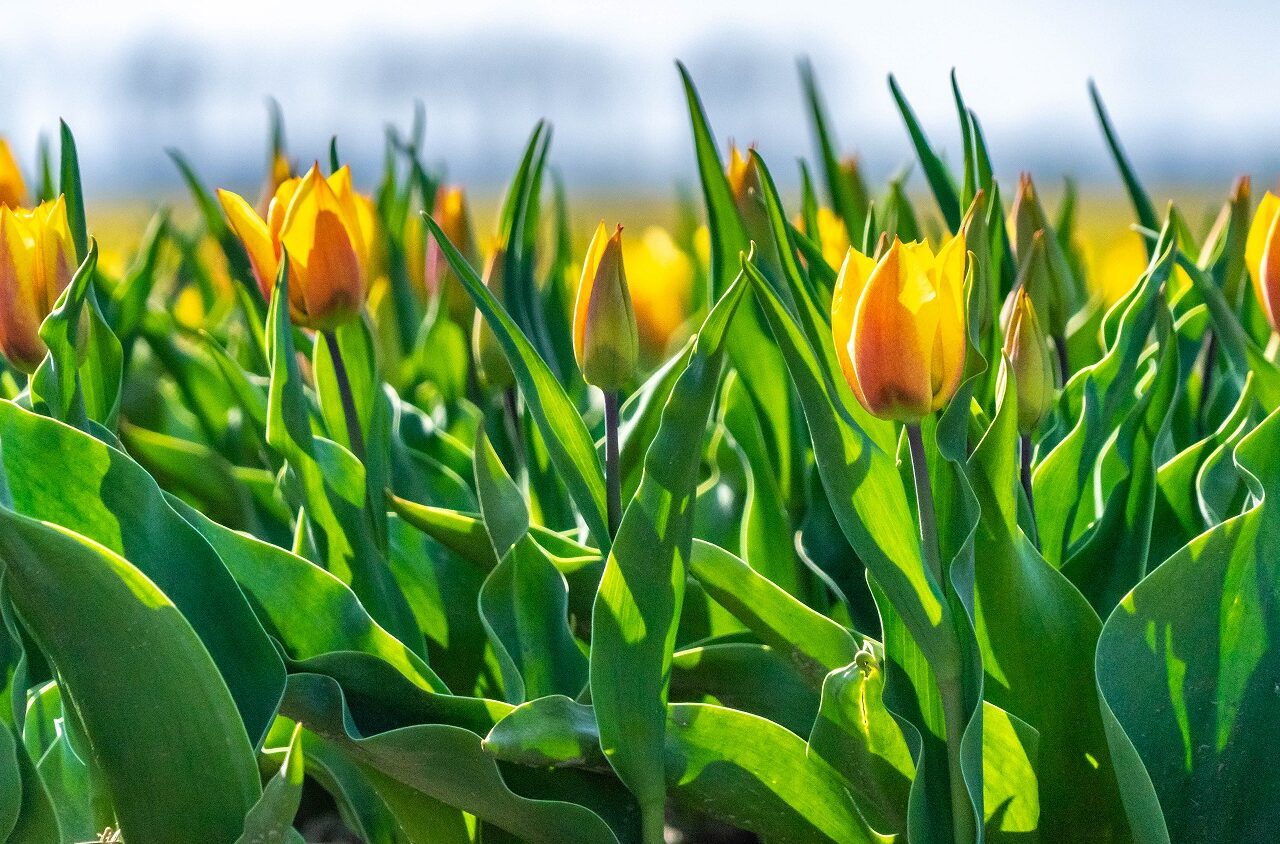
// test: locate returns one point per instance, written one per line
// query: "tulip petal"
(256, 237)
(322, 252)
(850, 283)
(1262, 258)
(891, 366)
(585, 282)
(20, 313)
(13, 190)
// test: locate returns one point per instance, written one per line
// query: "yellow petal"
(851, 281)
(256, 237)
(323, 258)
(13, 190)
(20, 315)
(595, 251)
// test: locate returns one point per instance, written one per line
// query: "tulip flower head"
(899, 327)
(1262, 255)
(327, 230)
(492, 366)
(37, 260)
(605, 337)
(1027, 347)
(450, 213)
(747, 187)
(13, 190)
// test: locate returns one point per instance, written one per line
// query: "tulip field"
(333, 510)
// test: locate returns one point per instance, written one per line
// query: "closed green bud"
(606, 342)
(1027, 348)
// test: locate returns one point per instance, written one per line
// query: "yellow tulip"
(899, 327)
(13, 190)
(748, 197)
(832, 236)
(37, 260)
(326, 228)
(1262, 255)
(492, 367)
(605, 337)
(450, 213)
(1027, 347)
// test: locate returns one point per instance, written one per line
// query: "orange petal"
(891, 367)
(1262, 258)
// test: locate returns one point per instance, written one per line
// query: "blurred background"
(1194, 88)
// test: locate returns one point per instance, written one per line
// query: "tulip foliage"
(876, 518)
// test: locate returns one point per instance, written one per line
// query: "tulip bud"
(899, 327)
(851, 172)
(327, 230)
(13, 190)
(1262, 255)
(1026, 347)
(1057, 300)
(748, 198)
(37, 260)
(450, 213)
(605, 338)
(492, 367)
(1224, 246)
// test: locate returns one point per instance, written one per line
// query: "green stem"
(653, 822)
(354, 435)
(950, 688)
(612, 466)
(1024, 446)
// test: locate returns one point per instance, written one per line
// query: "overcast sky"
(1194, 87)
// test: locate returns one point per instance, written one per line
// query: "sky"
(1193, 87)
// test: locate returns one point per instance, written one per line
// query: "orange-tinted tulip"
(1262, 255)
(13, 190)
(1026, 345)
(748, 197)
(450, 213)
(326, 228)
(492, 366)
(605, 337)
(37, 260)
(899, 327)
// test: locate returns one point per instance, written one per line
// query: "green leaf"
(442, 761)
(1187, 666)
(839, 192)
(65, 477)
(271, 818)
(571, 448)
(70, 187)
(1137, 194)
(89, 608)
(935, 171)
(637, 608)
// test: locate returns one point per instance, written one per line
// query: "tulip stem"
(354, 435)
(950, 684)
(1024, 446)
(612, 465)
(1206, 379)
(924, 504)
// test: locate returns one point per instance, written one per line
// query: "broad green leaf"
(62, 476)
(88, 608)
(745, 676)
(1185, 663)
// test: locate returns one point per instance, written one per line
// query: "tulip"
(1027, 347)
(13, 190)
(327, 230)
(492, 367)
(37, 260)
(661, 289)
(450, 213)
(899, 327)
(1057, 299)
(1262, 255)
(605, 337)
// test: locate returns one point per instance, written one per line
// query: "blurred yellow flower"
(37, 260)
(13, 190)
(833, 237)
(660, 275)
